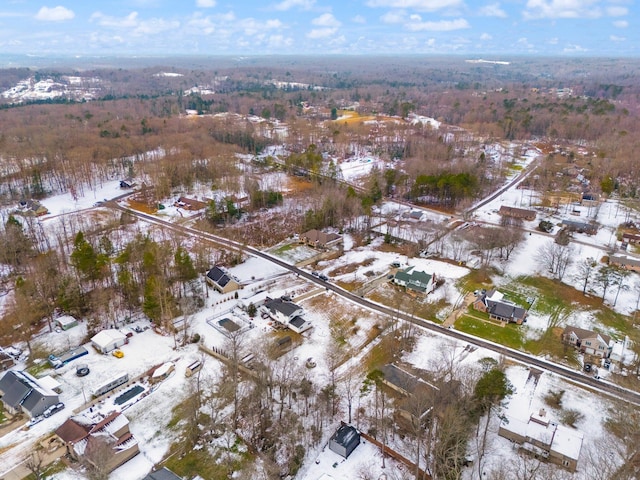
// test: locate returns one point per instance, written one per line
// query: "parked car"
(587, 367)
(82, 370)
(323, 277)
(53, 409)
(118, 353)
(35, 420)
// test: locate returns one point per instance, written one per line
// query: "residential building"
(287, 313)
(22, 393)
(631, 238)
(544, 439)
(513, 212)
(493, 303)
(319, 239)
(625, 261)
(221, 280)
(344, 441)
(415, 280)
(587, 341)
(88, 438)
(580, 227)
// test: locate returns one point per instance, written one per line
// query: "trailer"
(109, 385)
(67, 357)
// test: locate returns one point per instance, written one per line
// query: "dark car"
(82, 370)
(53, 409)
(323, 277)
(587, 367)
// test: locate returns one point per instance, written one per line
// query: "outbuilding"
(345, 440)
(108, 340)
(66, 322)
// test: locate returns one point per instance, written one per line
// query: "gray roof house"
(588, 341)
(345, 440)
(415, 280)
(494, 304)
(287, 313)
(21, 393)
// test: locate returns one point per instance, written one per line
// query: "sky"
(478, 28)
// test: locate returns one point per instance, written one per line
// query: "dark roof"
(580, 226)
(217, 275)
(346, 436)
(284, 307)
(162, 474)
(505, 310)
(415, 279)
(21, 389)
(399, 378)
(297, 321)
(72, 432)
(516, 212)
(12, 389)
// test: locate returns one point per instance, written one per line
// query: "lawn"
(510, 335)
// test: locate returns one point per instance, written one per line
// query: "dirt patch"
(352, 267)
(142, 207)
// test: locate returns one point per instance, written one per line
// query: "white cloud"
(615, 38)
(322, 32)
(132, 22)
(289, 4)
(55, 14)
(439, 26)
(251, 26)
(553, 41)
(621, 24)
(422, 5)
(617, 11)
(485, 36)
(492, 10)
(280, 41)
(205, 3)
(562, 9)
(398, 16)
(326, 20)
(359, 19)
(574, 49)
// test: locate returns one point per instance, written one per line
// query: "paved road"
(568, 374)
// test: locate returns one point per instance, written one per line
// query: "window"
(565, 463)
(588, 343)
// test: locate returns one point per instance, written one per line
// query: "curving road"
(576, 377)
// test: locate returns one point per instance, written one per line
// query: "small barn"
(344, 441)
(66, 322)
(108, 340)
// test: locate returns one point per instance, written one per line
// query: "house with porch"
(415, 281)
(286, 313)
(101, 439)
(318, 239)
(494, 303)
(21, 393)
(625, 261)
(519, 213)
(544, 439)
(587, 341)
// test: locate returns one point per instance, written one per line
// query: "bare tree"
(34, 462)
(98, 456)
(556, 258)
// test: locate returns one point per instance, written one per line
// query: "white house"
(108, 340)
(287, 313)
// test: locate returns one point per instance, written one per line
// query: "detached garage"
(108, 340)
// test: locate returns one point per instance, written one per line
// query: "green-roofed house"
(415, 280)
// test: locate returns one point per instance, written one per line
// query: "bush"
(571, 417)
(554, 399)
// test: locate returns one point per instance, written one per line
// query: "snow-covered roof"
(163, 369)
(49, 382)
(107, 337)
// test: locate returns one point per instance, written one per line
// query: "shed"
(108, 340)
(66, 322)
(345, 440)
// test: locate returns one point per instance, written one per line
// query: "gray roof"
(162, 474)
(19, 389)
(282, 306)
(346, 436)
(399, 378)
(505, 310)
(297, 321)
